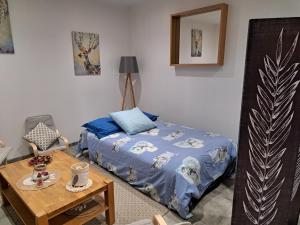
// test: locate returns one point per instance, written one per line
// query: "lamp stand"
(128, 79)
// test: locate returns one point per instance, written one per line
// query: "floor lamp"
(128, 65)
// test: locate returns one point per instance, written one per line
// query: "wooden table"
(47, 206)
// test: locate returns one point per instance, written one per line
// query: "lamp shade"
(128, 64)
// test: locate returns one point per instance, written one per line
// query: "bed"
(173, 164)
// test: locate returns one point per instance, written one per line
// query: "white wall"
(39, 78)
(210, 41)
(201, 97)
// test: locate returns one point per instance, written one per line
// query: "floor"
(131, 205)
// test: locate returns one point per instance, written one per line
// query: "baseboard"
(20, 158)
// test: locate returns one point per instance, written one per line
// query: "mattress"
(173, 164)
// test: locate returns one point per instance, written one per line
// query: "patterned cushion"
(42, 136)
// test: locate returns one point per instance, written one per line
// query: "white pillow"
(42, 136)
(133, 121)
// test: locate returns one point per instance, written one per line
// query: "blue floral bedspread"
(171, 163)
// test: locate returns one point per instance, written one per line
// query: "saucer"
(70, 188)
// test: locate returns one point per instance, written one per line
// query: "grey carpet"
(131, 205)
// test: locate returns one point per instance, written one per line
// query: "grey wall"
(39, 78)
(209, 98)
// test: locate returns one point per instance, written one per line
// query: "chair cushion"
(42, 136)
(33, 121)
(54, 147)
(133, 121)
(57, 147)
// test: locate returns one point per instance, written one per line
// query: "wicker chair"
(32, 122)
(157, 220)
(4, 152)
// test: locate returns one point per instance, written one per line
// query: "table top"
(56, 198)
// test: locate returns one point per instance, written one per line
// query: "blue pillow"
(133, 121)
(99, 134)
(105, 126)
(102, 127)
(151, 116)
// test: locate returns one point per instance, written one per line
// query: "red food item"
(40, 160)
(39, 182)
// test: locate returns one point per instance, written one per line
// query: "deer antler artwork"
(3, 10)
(6, 42)
(93, 41)
(86, 43)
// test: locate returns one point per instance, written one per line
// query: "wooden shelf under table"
(62, 219)
(20, 208)
(98, 208)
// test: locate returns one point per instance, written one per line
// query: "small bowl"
(40, 167)
(39, 171)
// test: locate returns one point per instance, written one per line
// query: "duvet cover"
(172, 163)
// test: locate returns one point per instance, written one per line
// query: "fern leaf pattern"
(297, 177)
(269, 128)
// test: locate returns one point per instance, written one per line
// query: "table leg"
(109, 201)
(4, 185)
(43, 220)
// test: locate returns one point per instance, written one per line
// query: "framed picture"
(86, 53)
(6, 42)
(196, 48)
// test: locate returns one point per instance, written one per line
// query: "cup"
(80, 174)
